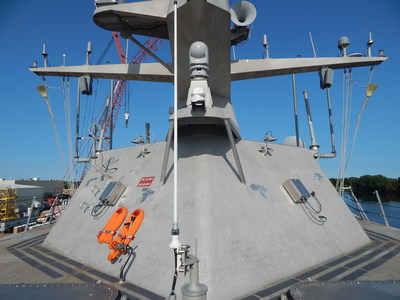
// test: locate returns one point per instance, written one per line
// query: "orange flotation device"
(126, 235)
(107, 233)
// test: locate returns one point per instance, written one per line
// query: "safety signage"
(145, 181)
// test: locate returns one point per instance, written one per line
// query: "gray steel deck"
(379, 260)
(24, 260)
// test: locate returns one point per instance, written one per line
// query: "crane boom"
(120, 50)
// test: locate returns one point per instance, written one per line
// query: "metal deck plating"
(25, 261)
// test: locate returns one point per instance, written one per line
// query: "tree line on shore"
(364, 187)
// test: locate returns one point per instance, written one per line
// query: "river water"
(372, 209)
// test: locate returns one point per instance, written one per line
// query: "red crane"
(109, 118)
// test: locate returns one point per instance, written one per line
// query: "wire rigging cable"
(85, 122)
(358, 122)
(67, 116)
(346, 108)
(103, 54)
(91, 110)
(54, 124)
(127, 98)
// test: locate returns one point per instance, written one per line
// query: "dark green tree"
(364, 187)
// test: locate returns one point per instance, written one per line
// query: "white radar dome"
(291, 141)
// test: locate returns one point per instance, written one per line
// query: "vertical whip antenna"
(175, 228)
(175, 244)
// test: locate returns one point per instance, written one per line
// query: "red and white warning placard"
(145, 181)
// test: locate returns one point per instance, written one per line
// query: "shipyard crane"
(109, 117)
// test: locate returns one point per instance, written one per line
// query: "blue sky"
(28, 147)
